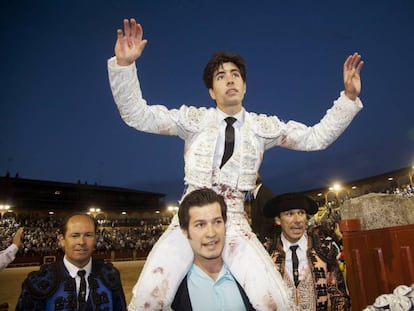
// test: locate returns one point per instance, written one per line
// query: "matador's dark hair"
(200, 197)
(217, 60)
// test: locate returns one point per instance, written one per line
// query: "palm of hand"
(127, 50)
(129, 44)
(352, 79)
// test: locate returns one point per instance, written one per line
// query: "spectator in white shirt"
(9, 254)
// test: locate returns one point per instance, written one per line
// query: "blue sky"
(58, 120)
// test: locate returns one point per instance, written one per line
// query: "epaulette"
(193, 118)
(44, 282)
(108, 274)
(264, 125)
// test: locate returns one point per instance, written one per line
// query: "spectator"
(8, 255)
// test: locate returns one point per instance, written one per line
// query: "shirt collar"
(73, 270)
(256, 190)
(238, 116)
(224, 272)
(302, 243)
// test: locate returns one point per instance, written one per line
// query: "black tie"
(82, 289)
(295, 264)
(229, 142)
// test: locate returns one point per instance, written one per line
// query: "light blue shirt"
(207, 294)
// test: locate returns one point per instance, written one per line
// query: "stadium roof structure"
(28, 194)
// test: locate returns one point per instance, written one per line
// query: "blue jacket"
(52, 288)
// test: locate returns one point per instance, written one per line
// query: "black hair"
(200, 197)
(217, 60)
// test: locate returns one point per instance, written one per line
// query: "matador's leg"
(165, 268)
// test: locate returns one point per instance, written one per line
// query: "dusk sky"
(59, 122)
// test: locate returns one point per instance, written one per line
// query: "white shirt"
(7, 256)
(73, 271)
(256, 190)
(221, 116)
(300, 252)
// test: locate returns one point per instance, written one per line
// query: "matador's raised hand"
(129, 44)
(352, 78)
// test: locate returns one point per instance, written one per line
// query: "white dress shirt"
(221, 116)
(301, 253)
(73, 271)
(7, 256)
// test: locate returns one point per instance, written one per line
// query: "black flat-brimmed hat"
(288, 201)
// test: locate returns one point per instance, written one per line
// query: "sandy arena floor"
(12, 278)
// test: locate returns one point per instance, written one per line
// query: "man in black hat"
(306, 260)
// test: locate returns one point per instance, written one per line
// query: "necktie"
(295, 264)
(229, 140)
(82, 289)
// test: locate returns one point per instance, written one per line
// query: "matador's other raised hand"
(352, 78)
(129, 43)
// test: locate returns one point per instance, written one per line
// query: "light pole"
(337, 187)
(173, 209)
(4, 208)
(94, 211)
(410, 175)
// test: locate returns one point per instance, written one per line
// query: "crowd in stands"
(405, 190)
(40, 235)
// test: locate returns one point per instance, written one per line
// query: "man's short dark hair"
(217, 60)
(64, 225)
(200, 197)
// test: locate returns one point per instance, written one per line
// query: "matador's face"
(228, 87)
